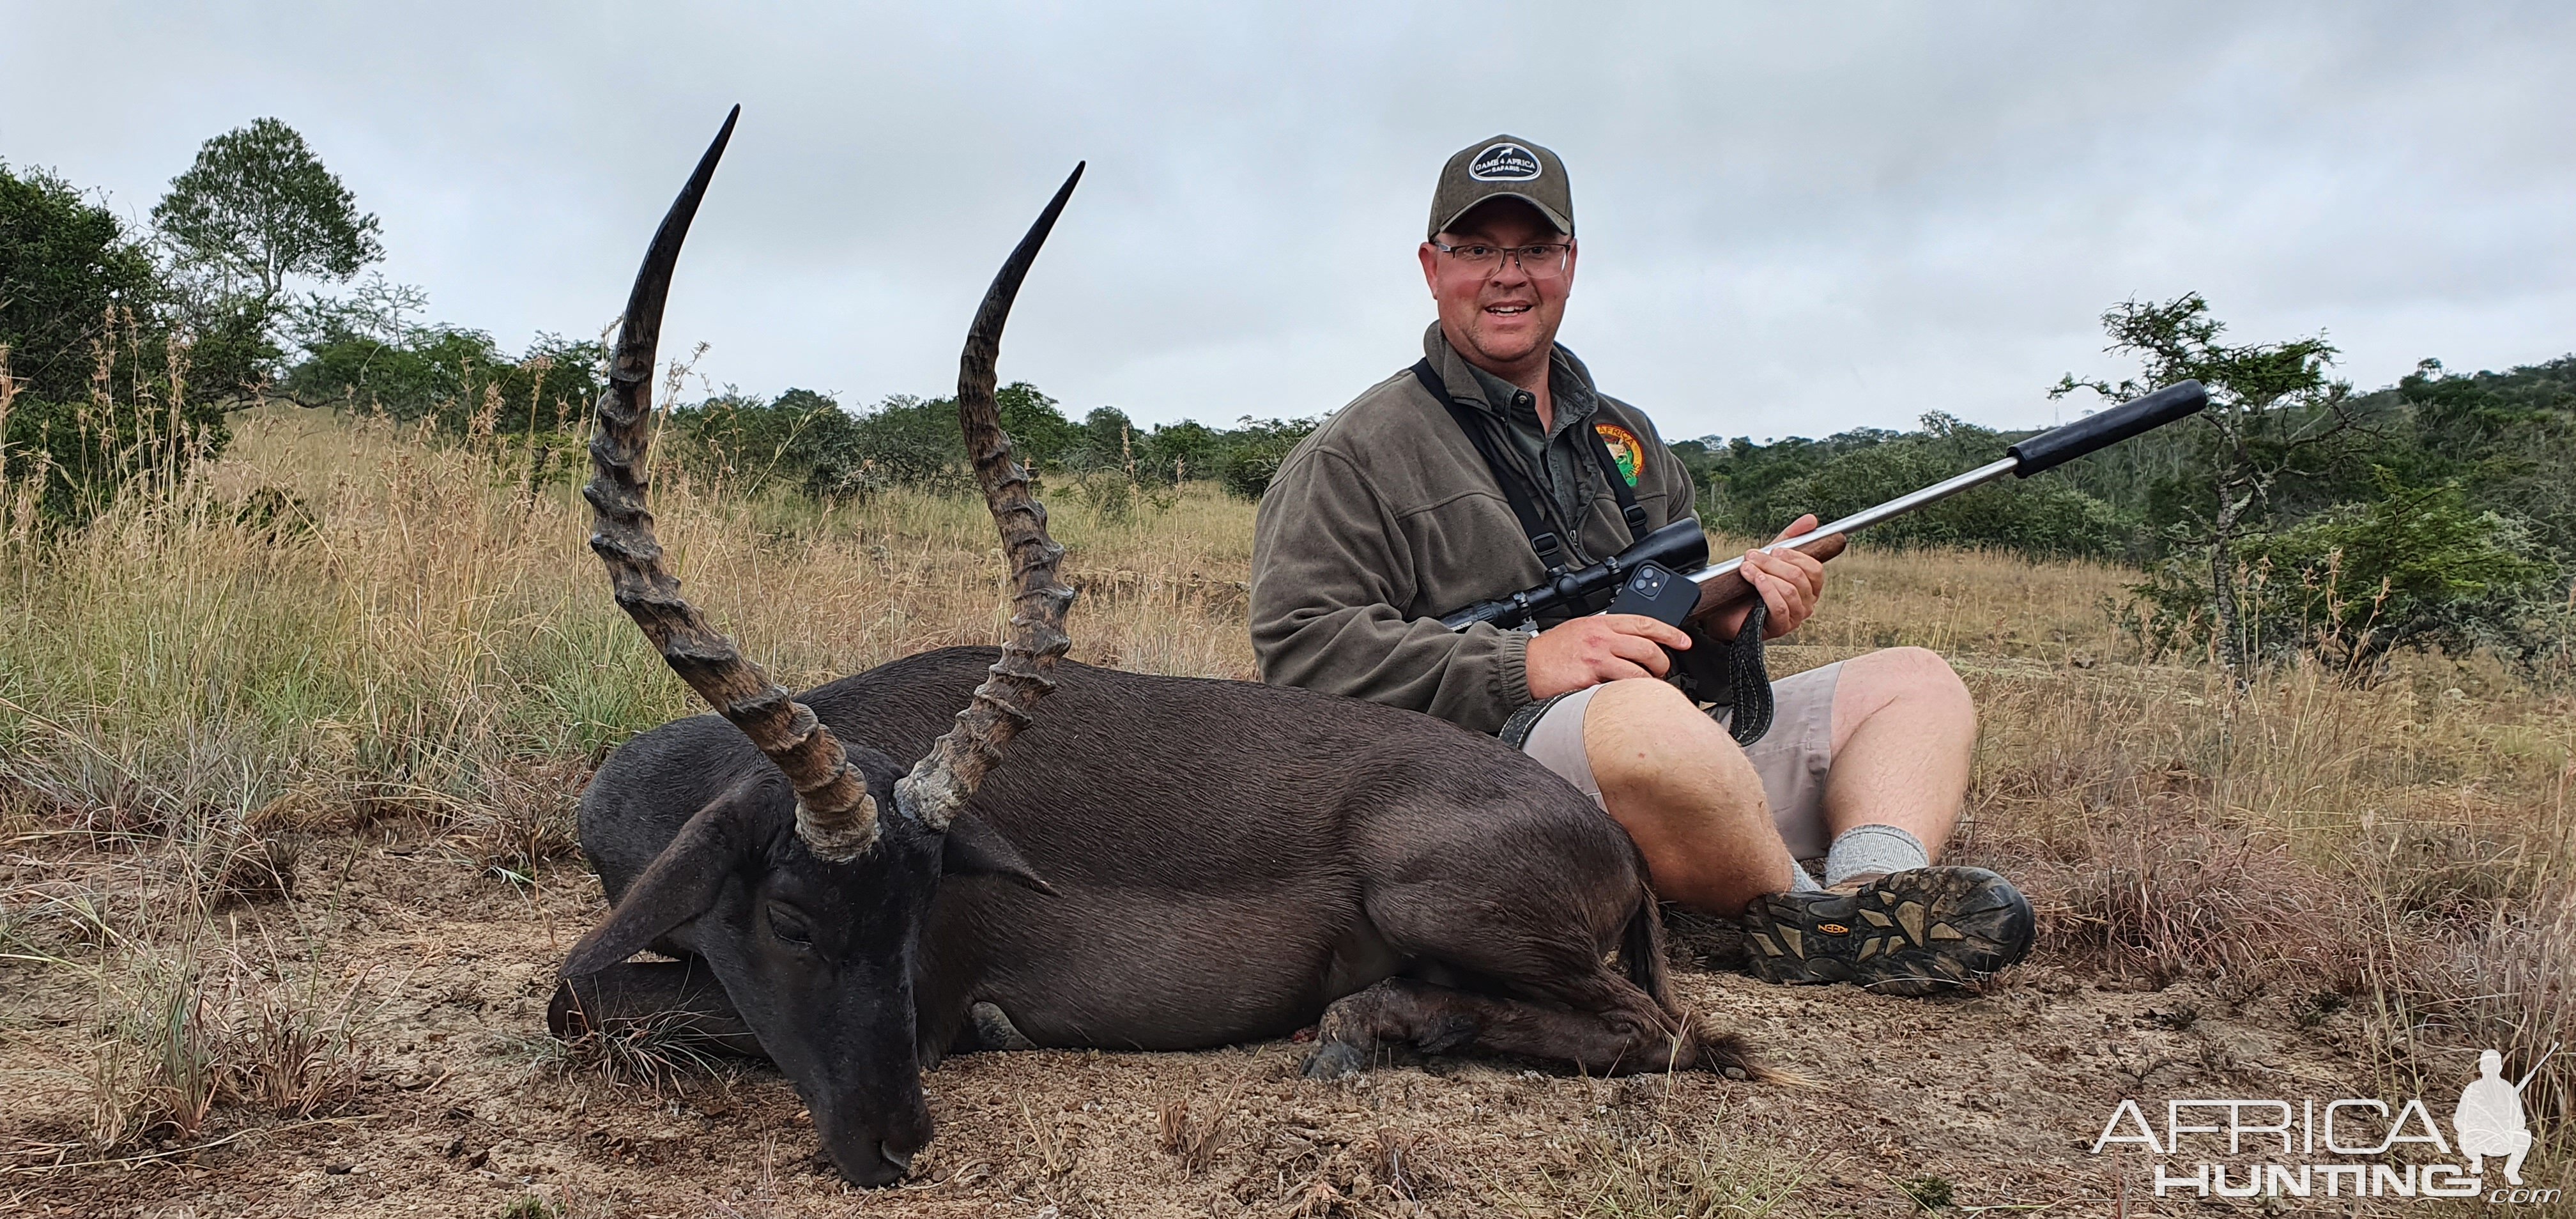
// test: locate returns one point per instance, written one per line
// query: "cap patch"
(1624, 449)
(1504, 162)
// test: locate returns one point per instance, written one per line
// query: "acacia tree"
(2273, 413)
(255, 209)
(258, 206)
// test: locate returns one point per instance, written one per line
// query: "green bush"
(1253, 452)
(359, 360)
(101, 389)
(804, 440)
(2415, 567)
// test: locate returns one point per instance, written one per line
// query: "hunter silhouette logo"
(2489, 1119)
(1504, 162)
(2342, 1148)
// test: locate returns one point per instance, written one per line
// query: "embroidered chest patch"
(1624, 449)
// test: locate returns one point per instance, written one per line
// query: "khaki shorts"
(1791, 758)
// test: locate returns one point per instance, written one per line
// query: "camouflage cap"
(1503, 167)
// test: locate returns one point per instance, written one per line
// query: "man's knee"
(1920, 669)
(1640, 732)
(1913, 675)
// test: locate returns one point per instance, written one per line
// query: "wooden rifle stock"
(1731, 588)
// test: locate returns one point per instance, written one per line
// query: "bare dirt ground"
(469, 1109)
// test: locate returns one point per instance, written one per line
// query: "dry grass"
(1195, 1131)
(1662, 1171)
(183, 1032)
(190, 689)
(2405, 846)
(658, 1052)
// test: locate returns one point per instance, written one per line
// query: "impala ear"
(974, 848)
(682, 883)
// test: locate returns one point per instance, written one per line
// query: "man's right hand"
(1588, 651)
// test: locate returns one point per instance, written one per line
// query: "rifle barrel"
(1867, 517)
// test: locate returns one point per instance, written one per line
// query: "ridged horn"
(948, 775)
(834, 813)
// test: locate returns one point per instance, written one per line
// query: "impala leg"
(676, 999)
(1612, 1028)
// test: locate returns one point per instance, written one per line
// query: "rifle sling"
(1749, 677)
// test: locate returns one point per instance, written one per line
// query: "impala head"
(808, 888)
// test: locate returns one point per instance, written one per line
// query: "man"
(1393, 514)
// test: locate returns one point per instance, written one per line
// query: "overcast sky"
(1795, 219)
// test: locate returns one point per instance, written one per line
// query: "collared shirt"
(1555, 458)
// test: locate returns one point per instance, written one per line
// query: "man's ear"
(975, 848)
(681, 884)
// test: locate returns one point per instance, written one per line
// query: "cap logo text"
(1504, 162)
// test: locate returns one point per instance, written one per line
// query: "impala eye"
(790, 926)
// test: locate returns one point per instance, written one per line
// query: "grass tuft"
(1662, 1171)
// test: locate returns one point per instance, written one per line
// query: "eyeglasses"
(1546, 260)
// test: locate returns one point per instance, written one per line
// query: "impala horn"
(947, 776)
(834, 813)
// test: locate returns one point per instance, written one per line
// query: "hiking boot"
(1697, 941)
(1917, 932)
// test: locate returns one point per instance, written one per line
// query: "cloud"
(1795, 220)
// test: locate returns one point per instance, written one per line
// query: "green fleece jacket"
(1386, 518)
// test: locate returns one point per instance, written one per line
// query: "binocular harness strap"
(1749, 679)
(1551, 549)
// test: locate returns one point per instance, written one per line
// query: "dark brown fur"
(1228, 858)
(1232, 862)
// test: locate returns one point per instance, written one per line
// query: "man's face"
(1501, 317)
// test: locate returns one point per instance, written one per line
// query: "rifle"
(1666, 574)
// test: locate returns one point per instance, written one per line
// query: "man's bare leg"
(1686, 794)
(1903, 733)
(1694, 805)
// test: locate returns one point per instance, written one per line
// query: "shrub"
(362, 360)
(94, 374)
(2416, 567)
(1252, 457)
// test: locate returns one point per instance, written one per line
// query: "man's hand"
(1790, 583)
(1588, 651)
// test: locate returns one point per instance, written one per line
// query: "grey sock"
(1800, 881)
(1865, 849)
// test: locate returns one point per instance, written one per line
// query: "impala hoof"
(1335, 1060)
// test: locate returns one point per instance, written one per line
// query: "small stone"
(1735, 1073)
(338, 1170)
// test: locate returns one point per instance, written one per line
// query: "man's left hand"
(1789, 581)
